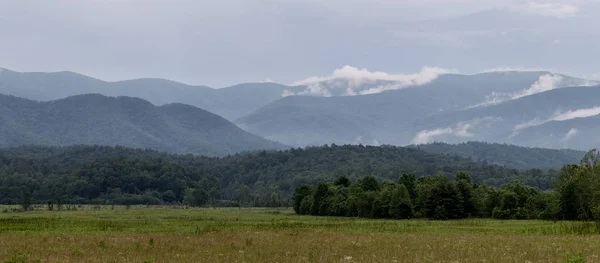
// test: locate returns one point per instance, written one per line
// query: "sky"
(223, 42)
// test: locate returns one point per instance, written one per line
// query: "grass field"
(268, 235)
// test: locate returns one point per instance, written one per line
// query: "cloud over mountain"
(572, 133)
(545, 83)
(356, 81)
(462, 129)
(560, 116)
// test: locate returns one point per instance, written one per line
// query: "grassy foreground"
(267, 235)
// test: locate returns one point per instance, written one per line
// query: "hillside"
(231, 102)
(507, 155)
(132, 122)
(121, 175)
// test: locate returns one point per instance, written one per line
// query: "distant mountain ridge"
(503, 107)
(95, 119)
(507, 155)
(230, 102)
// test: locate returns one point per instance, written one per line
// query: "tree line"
(576, 197)
(119, 175)
(507, 155)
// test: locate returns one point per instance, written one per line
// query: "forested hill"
(102, 174)
(507, 155)
(96, 119)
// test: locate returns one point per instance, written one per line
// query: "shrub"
(574, 258)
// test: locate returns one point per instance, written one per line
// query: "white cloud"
(364, 75)
(353, 79)
(515, 69)
(531, 123)
(574, 114)
(558, 10)
(570, 135)
(585, 83)
(315, 89)
(544, 83)
(462, 129)
(383, 88)
(559, 116)
(358, 139)
(287, 93)
(427, 136)
(268, 80)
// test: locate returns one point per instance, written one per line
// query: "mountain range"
(452, 108)
(94, 119)
(534, 109)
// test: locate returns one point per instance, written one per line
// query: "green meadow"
(177, 234)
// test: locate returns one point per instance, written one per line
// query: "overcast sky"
(224, 42)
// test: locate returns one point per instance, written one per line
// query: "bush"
(575, 258)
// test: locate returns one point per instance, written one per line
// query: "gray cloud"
(220, 43)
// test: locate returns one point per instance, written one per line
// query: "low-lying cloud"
(427, 136)
(316, 89)
(544, 83)
(287, 93)
(581, 113)
(461, 129)
(586, 83)
(572, 133)
(350, 81)
(515, 69)
(560, 116)
(364, 75)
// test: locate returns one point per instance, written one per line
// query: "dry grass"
(258, 235)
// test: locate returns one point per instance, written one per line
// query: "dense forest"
(118, 175)
(576, 197)
(507, 155)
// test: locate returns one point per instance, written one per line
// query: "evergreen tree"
(299, 195)
(369, 183)
(381, 204)
(409, 181)
(200, 197)
(465, 189)
(400, 204)
(445, 202)
(342, 181)
(320, 200)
